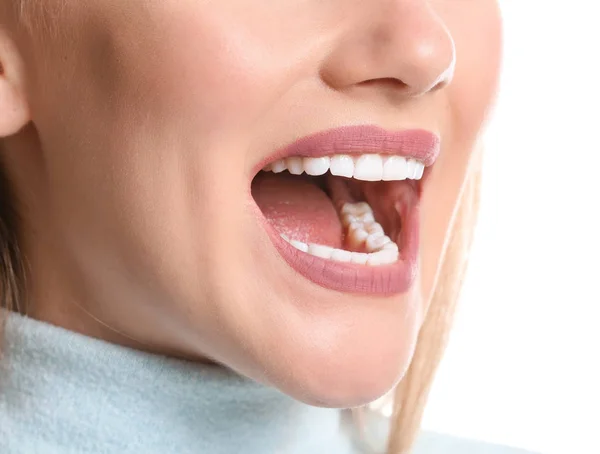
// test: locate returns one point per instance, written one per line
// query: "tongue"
(297, 207)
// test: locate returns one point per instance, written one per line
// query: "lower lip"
(382, 280)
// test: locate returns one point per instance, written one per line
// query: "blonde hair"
(12, 263)
(411, 394)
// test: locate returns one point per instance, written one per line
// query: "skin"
(130, 133)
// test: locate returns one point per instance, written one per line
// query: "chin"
(337, 367)
(347, 382)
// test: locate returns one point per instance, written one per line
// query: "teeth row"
(382, 257)
(367, 167)
(363, 231)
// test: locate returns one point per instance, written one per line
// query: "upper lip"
(419, 144)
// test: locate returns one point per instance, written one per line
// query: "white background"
(522, 367)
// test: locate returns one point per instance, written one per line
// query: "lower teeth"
(362, 232)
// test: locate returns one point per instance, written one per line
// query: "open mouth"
(342, 206)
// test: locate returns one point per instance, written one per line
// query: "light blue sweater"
(64, 393)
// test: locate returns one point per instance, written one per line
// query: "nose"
(401, 44)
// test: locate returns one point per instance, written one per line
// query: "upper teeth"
(367, 167)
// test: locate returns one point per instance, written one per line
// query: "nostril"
(397, 86)
(391, 82)
(441, 84)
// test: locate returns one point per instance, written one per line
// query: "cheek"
(193, 65)
(163, 78)
(475, 83)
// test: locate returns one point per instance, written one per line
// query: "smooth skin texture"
(131, 130)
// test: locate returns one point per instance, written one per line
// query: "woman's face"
(149, 222)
